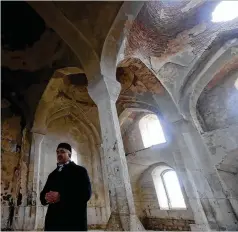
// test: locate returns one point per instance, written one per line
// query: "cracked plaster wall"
(17, 212)
(230, 182)
(11, 136)
(217, 105)
(223, 145)
(62, 130)
(139, 160)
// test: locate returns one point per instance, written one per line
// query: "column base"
(124, 222)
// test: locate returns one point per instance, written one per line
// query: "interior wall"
(217, 105)
(62, 130)
(11, 136)
(140, 162)
(230, 179)
(221, 142)
(231, 186)
(223, 146)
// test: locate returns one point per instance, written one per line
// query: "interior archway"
(66, 113)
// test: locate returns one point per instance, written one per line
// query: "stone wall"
(162, 224)
(141, 162)
(18, 209)
(63, 130)
(221, 142)
(217, 106)
(10, 168)
(223, 145)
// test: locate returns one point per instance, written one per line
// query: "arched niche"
(212, 71)
(216, 106)
(212, 106)
(56, 95)
(131, 132)
(142, 93)
(64, 115)
(149, 204)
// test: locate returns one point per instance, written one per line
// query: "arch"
(151, 174)
(128, 103)
(128, 106)
(191, 90)
(49, 110)
(116, 37)
(139, 107)
(142, 73)
(87, 128)
(71, 35)
(214, 66)
(47, 103)
(71, 110)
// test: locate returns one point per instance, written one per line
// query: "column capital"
(104, 88)
(37, 137)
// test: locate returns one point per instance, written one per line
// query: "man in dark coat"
(66, 191)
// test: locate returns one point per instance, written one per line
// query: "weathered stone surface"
(105, 92)
(167, 224)
(172, 61)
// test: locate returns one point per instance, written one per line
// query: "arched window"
(151, 130)
(74, 156)
(168, 189)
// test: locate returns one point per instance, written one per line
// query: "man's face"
(62, 155)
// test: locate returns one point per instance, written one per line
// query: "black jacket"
(74, 187)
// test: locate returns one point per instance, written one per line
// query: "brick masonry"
(166, 224)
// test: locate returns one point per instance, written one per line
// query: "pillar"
(32, 213)
(104, 92)
(197, 159)
(185, 177)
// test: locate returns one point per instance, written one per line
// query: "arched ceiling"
(157, 25)
(137, 78)
(93, 19)
(214, 81)
(165, 48)
(174, 39)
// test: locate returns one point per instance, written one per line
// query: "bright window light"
(168, 189)
(225, 11)
(74, 156)
(236, 84)
(173, 190)
(151, 130)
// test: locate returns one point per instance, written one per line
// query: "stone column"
(104, 92)
(201, 222)
(32, 213)
(198, 162)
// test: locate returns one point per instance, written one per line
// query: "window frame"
(144, 129)
(166, 190)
